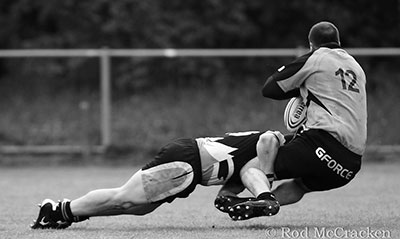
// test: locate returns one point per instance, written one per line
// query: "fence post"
(105, 107)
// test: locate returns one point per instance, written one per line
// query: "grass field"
(371, 201)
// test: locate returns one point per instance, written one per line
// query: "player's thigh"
(175, 172)
(295, 160)
(156, 183)
(132, 191)
(318, 159)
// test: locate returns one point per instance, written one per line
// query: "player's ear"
(311, 46)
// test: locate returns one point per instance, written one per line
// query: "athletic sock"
(266, 196)
(67, 213)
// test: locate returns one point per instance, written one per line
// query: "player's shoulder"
(301, 60)
(331, 50)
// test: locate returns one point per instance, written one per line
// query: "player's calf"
(55, 215)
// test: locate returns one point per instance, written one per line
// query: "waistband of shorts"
(330, 137)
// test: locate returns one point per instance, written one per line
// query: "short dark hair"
(323, 33)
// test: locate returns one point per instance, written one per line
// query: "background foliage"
(181, 24)
(157, 91)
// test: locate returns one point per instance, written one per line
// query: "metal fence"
(104, 55)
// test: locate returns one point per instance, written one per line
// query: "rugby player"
(326, 152)
(174, 173)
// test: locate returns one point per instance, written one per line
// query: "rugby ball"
(295, 114)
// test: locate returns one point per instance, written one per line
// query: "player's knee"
(166, 180)
(298, 189)
(268, 142)
(272, 139)
(290, 192)
(301, 187)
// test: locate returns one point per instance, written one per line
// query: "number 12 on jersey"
(348, 74)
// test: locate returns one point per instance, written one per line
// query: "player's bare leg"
(267, 149)
(114, 201)
(254, 173)
(127, 199)
(290, 192)
(140, 195)
(254, 177)
(264, 203)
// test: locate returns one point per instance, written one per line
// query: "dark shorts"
(318, 159)
(184, 150)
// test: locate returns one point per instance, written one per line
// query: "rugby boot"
(265, 205)
(224, 203)
(50, 216)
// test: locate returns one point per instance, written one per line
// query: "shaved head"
(323, 33)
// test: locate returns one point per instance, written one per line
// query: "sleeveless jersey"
(223, 157)
(333, 85)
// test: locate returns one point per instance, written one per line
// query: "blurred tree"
(182, 24)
